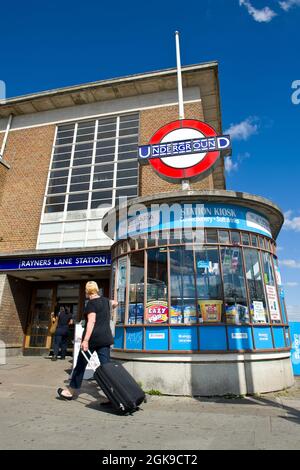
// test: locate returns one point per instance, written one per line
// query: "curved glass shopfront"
(221, 295)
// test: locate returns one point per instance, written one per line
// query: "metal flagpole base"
(185, 185)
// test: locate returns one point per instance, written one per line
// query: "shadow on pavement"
(292, 413)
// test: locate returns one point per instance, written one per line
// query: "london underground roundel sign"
(184, 149)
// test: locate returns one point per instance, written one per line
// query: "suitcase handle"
(88, 360)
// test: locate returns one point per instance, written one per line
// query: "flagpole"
(184, 183)
(179, 78)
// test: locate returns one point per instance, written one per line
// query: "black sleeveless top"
(101, 335)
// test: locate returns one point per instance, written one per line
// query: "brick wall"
(151, 121)
(28, 153)
(15, 297)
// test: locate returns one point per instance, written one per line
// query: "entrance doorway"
(48, 297)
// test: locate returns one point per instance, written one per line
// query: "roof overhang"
(132, 85)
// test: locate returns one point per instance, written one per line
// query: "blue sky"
(56, 44)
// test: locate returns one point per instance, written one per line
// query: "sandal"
(60, 394)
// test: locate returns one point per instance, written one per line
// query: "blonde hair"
(91, 288)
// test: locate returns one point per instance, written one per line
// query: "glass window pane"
(271, 290)
(80, 179)
(54, 208)
(268, 269)
(79, 187)
(261, 242)
(254, 240)
(235, 238)
(129, 131)
(245, 239)
(103, 184)
(78, 197)
(57, 189)
(209, 284)
(127, 166)
(101, 195)
(157, 287)
(86, 170)
(64, 139)
(65, 128)
(129, 117)
(77, 206)
(61, 164)
(126, 192)
(258, 306)
(59, 173)
(212, 236)
(136, 289)
(223, 236)
(236, 308)
(127, 182)
(121, 289)
(82, 161)
(101, 204)
(55, 200)
(183, 290)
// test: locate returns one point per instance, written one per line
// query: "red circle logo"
(183, 166)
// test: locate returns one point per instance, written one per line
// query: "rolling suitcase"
(118, 385)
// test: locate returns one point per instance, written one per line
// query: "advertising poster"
(273, 303)
(259, 313)
(157, 312)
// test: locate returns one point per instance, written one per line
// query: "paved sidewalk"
(32, 418)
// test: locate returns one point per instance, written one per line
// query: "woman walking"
(61, 333)
(97, 336)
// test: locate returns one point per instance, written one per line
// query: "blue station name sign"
(55, 262)
(185, 147)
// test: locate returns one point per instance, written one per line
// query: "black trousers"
(60, 343)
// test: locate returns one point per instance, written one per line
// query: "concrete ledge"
(213, 378)
(13, 351)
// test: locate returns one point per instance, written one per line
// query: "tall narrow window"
(236, 308)
(209, 285)
(157, 287)
(258, 307)
(271, 290)
(136, 289)
(183, 291)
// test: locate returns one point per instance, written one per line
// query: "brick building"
(32, 127)
(203, 316)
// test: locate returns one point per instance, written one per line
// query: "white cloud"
(244, 129)
(265, 15)
(290, 263)
(286, 5)
(291, 223)
(231, 166)
(291, 284)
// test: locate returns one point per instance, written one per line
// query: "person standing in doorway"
(97, 336)
(62, 333)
